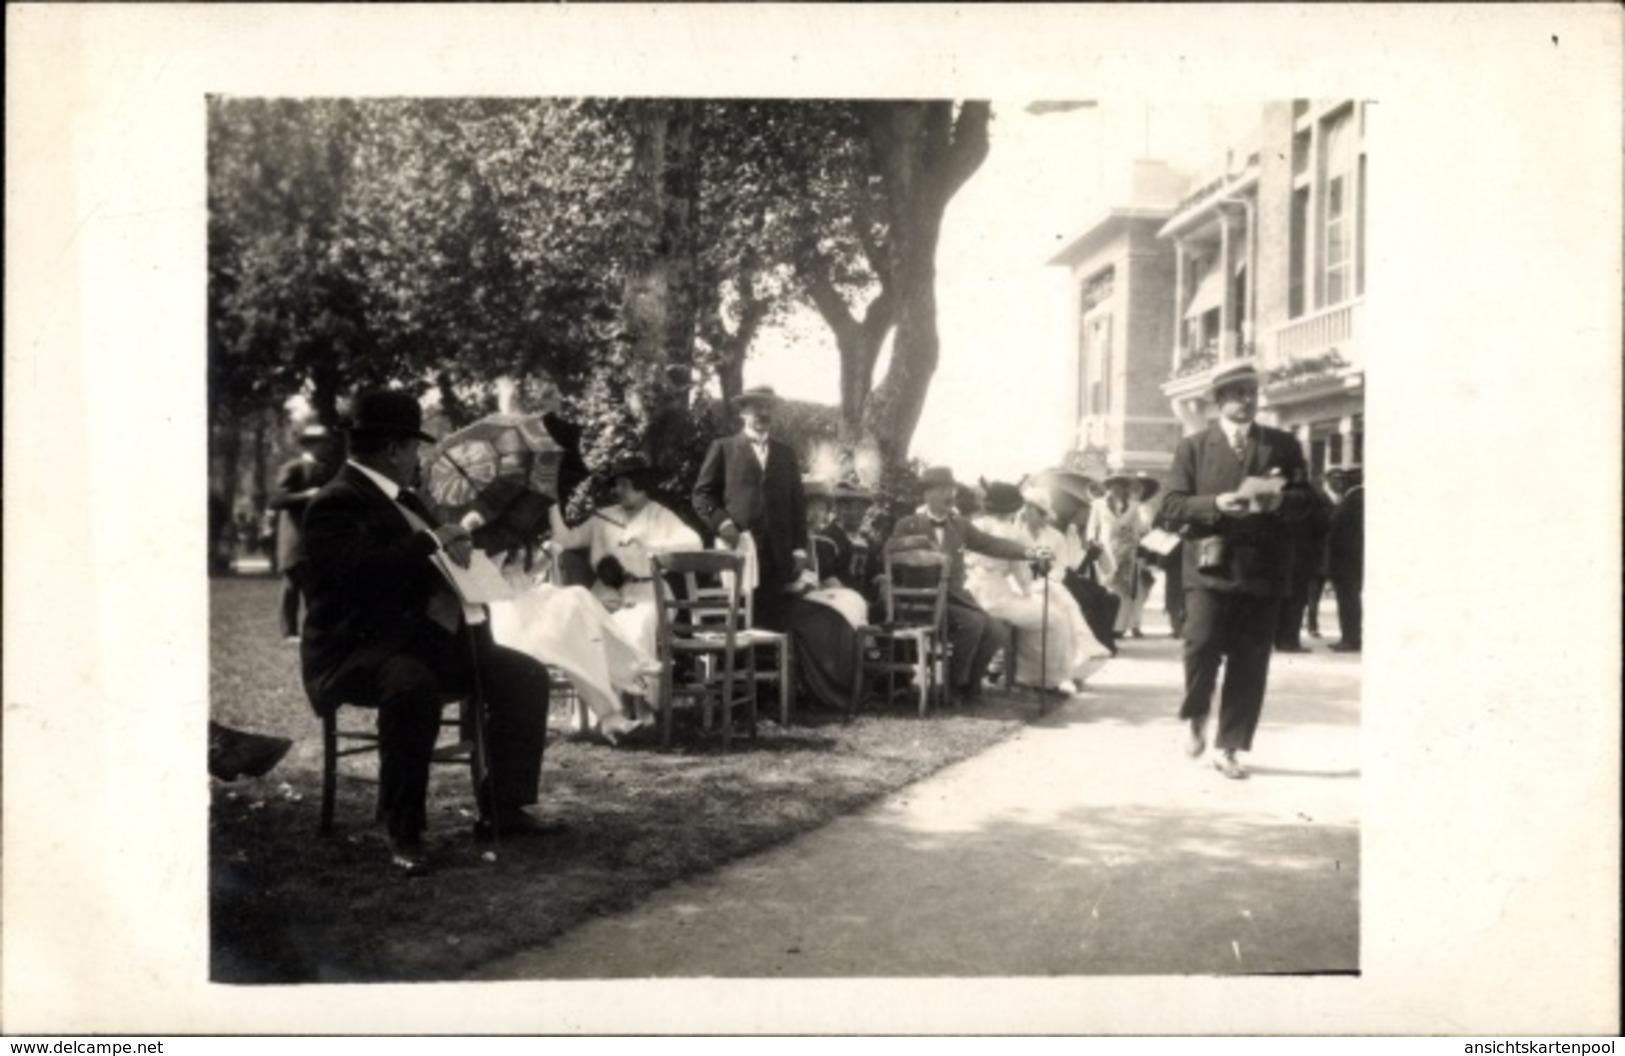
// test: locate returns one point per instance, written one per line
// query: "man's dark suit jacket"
(369, 586)
(1259, 547)
(915, 532)
(770, 505)
(1346, 544)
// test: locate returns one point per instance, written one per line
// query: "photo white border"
(1491, 723)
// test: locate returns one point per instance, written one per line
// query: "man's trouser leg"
(1251, 641)
(409, 703)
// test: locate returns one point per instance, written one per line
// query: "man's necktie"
(1240, 446)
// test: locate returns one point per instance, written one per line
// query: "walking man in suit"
(750, 484)
(296, 484)
(975, 638)
(1345, 548)
(1237, 560)
(385, 630)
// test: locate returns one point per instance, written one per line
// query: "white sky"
(997, 406)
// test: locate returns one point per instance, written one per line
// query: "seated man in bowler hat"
(384, 630)
(975, 637)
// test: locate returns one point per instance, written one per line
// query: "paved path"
(1088, 844)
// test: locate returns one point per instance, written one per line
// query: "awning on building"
(1209, 293)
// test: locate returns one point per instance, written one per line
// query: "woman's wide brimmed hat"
(848, 491)
(756, 396)
(1002, 499)
(384, 412)
(818, 488)
(635, 469)
(1146, 484)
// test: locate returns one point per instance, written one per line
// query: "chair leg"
(665, 704)
(330, 765)
(784, 683)
(728, 704)
(922, 675)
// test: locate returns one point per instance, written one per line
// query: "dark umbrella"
(508, 468)
(1061, 492)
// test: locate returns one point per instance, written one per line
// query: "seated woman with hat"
(1054, 646)
(822, 582)
(603, 638)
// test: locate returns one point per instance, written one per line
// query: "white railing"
(1332, 327)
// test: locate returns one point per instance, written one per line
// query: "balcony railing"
(1313, 335)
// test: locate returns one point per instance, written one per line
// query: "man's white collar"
(387, 486)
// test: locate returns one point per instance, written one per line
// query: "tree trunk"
(660, 307)
(924, 154)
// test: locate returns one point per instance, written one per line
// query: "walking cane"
(482, 760)
(1043, 642)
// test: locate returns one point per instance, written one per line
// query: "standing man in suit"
(750, 485)
(385, 630)
(1308, 536)
(1237, 560)
(296, 484)
(1345, 547)
(974, 636)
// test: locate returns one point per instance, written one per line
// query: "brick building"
(1269, 262)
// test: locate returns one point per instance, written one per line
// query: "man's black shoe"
(409, 858)
(515, 824)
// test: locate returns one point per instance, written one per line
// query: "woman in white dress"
(603, 639)
(1117, 523)
(1062, 646)
(621, 541)
(570, 629)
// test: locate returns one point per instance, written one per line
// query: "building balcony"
(1316, 356)
(1313, 335)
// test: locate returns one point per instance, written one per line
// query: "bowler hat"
(1002, 499)
(1241, 372)
(757, 396)
(937, 477)
(314, 434)
(389, 413)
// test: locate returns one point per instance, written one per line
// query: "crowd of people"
(1035, 596)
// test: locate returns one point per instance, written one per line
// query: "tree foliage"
(624, 254)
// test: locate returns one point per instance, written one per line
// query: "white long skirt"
(569, 628)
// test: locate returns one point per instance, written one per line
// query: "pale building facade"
(1269, 263)
(1123, 278)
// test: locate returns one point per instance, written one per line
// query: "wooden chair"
(777, 644)
(469, 747)
(700, 629)
(914, 637)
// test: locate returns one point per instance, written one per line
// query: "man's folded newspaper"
(478, 584)
(1159, 542)
(1255, 487)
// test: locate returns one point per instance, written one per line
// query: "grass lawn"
(287, 905)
